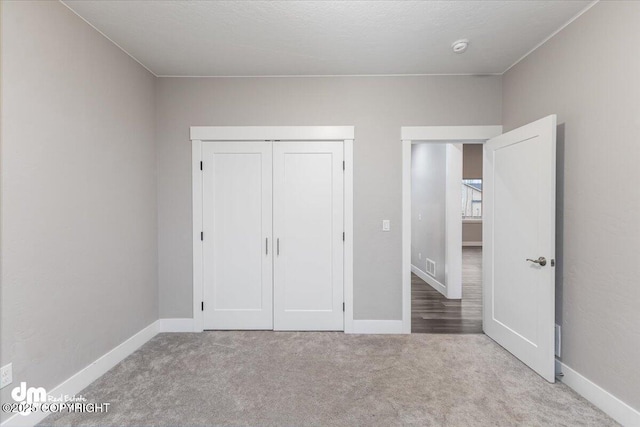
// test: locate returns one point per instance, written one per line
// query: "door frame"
(239, 134)
(429, 134)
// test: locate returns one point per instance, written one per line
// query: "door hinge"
(343, 236)
(342, 306)
(343, 165)
(202, 305)
(202, 235)
(553, 263)
(201, 166)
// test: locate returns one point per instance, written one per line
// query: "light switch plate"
(6, 375)
(386, 225)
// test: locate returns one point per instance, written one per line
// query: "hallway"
(431, 312)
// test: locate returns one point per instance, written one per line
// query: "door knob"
(542, 261)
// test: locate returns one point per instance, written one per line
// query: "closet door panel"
(308, 227)
(237, 218)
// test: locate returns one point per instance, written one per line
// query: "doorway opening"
(442, 213)
(446, 239)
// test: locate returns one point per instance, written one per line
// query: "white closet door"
(308, 227)
(237, 222)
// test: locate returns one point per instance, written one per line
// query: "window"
(472, 199)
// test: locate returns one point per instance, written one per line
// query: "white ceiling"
(247, 38)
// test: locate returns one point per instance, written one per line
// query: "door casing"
(198, 134)
(428, 134)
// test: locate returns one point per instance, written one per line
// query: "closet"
(272, 235)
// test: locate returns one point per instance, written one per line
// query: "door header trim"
(268, 133)
(447, 134)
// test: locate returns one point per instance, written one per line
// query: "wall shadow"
(560, 150)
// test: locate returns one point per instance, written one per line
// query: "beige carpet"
(322, 379)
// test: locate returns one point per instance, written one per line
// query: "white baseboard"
(84, 377)
(377, 327)
(430, 280)
(607, 402)
(472, 244)
(176, 325)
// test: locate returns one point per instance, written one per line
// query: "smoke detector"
(460, 46)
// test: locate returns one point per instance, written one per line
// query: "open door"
(519, 243)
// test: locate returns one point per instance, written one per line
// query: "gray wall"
(590, 76)
(79, 260)
(428, 196)
(377, 106)
(471, 232)
(472, 161)
(471, 169)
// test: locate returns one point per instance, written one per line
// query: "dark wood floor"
(431, 312)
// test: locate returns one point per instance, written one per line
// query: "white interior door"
(518, 227)
(237, 225)
(308, 232)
